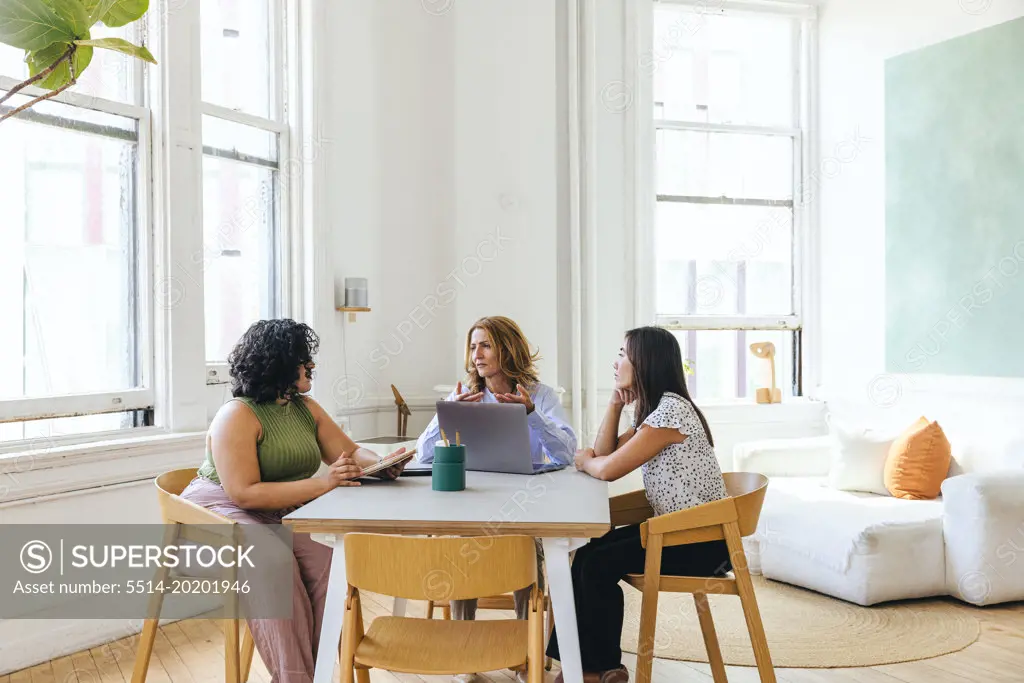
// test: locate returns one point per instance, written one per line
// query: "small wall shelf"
(352, 310)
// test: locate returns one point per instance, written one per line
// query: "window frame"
(143, 397)
(282, 17)
(646, 197)
(169, 108)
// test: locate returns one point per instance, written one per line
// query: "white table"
(563, 509)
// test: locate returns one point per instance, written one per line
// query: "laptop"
(496, 436)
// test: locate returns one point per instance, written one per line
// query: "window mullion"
(179, 289)
(49, 407)
(703, 127)
(724, 200)
(76, 99)
(728, 322)
(242, 118)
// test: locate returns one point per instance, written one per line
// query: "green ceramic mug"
(448, 472)
(453, 454)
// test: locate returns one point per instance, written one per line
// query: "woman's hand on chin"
(622, 397)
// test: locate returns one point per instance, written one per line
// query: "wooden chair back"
(747, 489)
(403, 412)
(439, 568)
(705, 522)
(192, 522)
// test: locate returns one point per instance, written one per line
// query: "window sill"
(29, 475)
(797, 409)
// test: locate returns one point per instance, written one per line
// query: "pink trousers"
(287, 646)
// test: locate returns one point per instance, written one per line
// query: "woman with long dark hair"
(670, 442)
(263, 451)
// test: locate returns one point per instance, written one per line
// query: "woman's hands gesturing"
(467, 396)
(522, 397)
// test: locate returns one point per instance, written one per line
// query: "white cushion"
(984, 535)
(858, 458)
(859, 547)
(985, 451)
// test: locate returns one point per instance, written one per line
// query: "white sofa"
(867, 548)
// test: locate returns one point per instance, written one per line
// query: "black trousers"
(596, 571)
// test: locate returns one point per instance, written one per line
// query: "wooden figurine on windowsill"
(767, 350)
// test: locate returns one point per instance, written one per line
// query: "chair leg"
(649, 609)
(446, 611)
(551, 629)
(248, 646)
(707, 628)
(535, 651)
(745, 588)
(232, 670)
(430, 609)
(232, 645)
(145, 650)
(156, 603)
(362, 675)
(349, 641)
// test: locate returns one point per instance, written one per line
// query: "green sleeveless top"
(287, 450)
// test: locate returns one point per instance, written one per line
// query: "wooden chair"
(410, 567)
(178, 513)
(403, 412)
(730, 519)
(504, 602)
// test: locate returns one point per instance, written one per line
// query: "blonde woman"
(500, 368)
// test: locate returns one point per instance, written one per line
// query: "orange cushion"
(918, 462)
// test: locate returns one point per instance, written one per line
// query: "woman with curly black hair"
(263, 451)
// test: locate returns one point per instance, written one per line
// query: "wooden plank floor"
(192, 652)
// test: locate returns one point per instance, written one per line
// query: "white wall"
(389, 196)
(444, 188)
(506, 177)
(856, 37)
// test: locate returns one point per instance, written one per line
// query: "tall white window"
(729, 120)
(84, 230)
(75, 352)
(244, 190)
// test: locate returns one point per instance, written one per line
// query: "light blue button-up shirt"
(552, 438)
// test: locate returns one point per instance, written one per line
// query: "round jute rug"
(806, 629)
